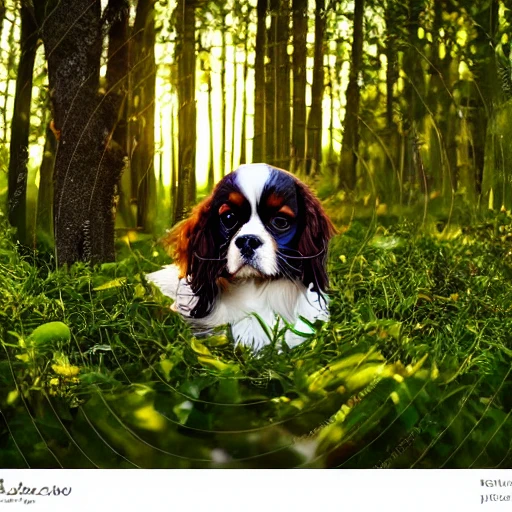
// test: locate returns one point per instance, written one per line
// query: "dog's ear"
(314, 239)
(192, 246)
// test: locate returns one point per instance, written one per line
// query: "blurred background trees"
(129, 111)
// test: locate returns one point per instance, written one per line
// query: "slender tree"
(271, 84)
(222, 142)
(314, 127)
(243, 142)
(186, 60)
(20, 126)
(349, 149)
(300, 31)
(44, 216)
(117, 17)
(142, 113)
(259, 148)
(282, 87)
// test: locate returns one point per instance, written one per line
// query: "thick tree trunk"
(143, 69)
(300, 32)
(20, 127)
(186, 60)
(259, 153)
(87, 164)
(349, 149)
(314, 128)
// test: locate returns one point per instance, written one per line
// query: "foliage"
(413, 370)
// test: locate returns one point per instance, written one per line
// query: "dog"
(252, 255)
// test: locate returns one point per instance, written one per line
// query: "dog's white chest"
(253, 309)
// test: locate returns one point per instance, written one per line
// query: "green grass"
(413, 370)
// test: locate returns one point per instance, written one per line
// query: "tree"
(142, 113)
(259, 146)
(350, 145)
(314, 127)
(186, 61)
(87, 164)
(300, 31)
(20, 126)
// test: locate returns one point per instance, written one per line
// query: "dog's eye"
(229, 219)
(280, 223)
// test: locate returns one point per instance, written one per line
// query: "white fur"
(272, 301)
(251, 179)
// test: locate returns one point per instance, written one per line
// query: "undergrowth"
(412, 370)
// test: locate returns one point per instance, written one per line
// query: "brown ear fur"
(192, 246)
(179, 241)
(318, 230)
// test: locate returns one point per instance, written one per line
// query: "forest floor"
(413, 369)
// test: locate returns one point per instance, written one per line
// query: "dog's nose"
(248, 244)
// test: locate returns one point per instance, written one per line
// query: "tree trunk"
(2, 16)
(300, 32)
(87, 164)
(414, 88)
(20, 127)
(233, 113)
(243, 142)
(282, 87)
(117, 17)
(186, 60)
(223, 97)
(259, 153)
(11, 56)
(349, 149)
(211, 160)
(314, 128)
(143, 113)
(270, 85)
(44, 217)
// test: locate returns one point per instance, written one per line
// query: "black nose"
(248, 244)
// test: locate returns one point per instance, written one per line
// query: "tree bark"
(270, 85)
(349, 149)
(300, 31)
(259, 153)
(222, 142)
(143, 69)
(314, 128)
(44, 217)
(282, 87)
(20, 126)
(87, 164)
(117, 17)
(186, 60)
(243, 142)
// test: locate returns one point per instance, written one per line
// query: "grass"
(413, 370)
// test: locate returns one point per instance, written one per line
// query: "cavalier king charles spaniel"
(252, 255)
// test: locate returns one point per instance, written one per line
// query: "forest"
(118, 116)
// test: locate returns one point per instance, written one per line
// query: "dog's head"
(259, 223)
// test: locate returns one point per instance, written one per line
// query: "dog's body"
(243, 304)
(252, 253)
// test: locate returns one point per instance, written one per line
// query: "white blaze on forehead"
(251, 179)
